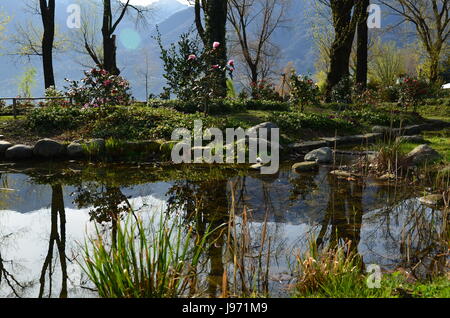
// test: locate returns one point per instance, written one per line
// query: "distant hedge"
(221, 106)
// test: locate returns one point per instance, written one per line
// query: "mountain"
(173, 18)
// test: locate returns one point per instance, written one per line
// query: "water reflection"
(261, 222)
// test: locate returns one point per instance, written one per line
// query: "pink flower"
(107, 83)
(231, 63)
(231, 69)
(192, 57)
(215, 66)
(216, 45)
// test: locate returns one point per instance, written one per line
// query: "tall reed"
(156, 263)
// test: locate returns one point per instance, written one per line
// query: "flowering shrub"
(303, 90)
(342, 91)
(99, 88)
(264, 90)
(411, 91)
(195, 74)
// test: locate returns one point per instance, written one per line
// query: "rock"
(19, 152)
(266, 125)
(75, 150)
(380, 129)
(48, 148)
(305, 166)
(341, 173)
(422, 154)
(321, 155)
(4, 145)
(307, 145)
(387, 176)
(432, 199)
(415, 139)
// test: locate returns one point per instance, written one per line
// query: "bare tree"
(47, 9)
(31, 40)
(254, 23)
(111, 19)
(431, 20)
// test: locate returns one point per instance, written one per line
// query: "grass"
(337, 272)
(158, 262)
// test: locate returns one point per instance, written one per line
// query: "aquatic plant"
(156, 262)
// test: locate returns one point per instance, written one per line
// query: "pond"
(47, 211)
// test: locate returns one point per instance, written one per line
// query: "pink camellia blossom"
(107, 83)
(215, 66)
(216, 45)
(192, 57)
(231, 63)
(231, 69)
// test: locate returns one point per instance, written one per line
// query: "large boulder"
(19, 152)
(48, 148)
(75, 150)
(422, 154)
(4, 145)
(321, 155)
(267, 125)
(305, 166)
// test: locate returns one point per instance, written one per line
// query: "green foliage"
(156, 262)
(386, 65)
(294, 121)
(54, 118)
(412, 91)
(221, 106)
(99, 88)
(303, 91)
(191, 72)
(264, 90)
(27, 82)
(342, 91)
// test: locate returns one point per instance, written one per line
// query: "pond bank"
(150, 150)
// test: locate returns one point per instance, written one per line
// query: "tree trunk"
(48, 22)
(362, 45)
(109, 41)
(254, 77)
(215, 31)
(345, 28)
(434, 68)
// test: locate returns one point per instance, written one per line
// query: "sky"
(147, 2)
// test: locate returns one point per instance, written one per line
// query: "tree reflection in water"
(58, 237)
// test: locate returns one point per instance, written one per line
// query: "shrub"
(54, 118)
(303, 91)
(294, 121)
(412, 91)
(221, 106)
(195, 74)
(264, 90)
(342, 91)
(99, 88)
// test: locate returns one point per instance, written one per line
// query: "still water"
(48, 211)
